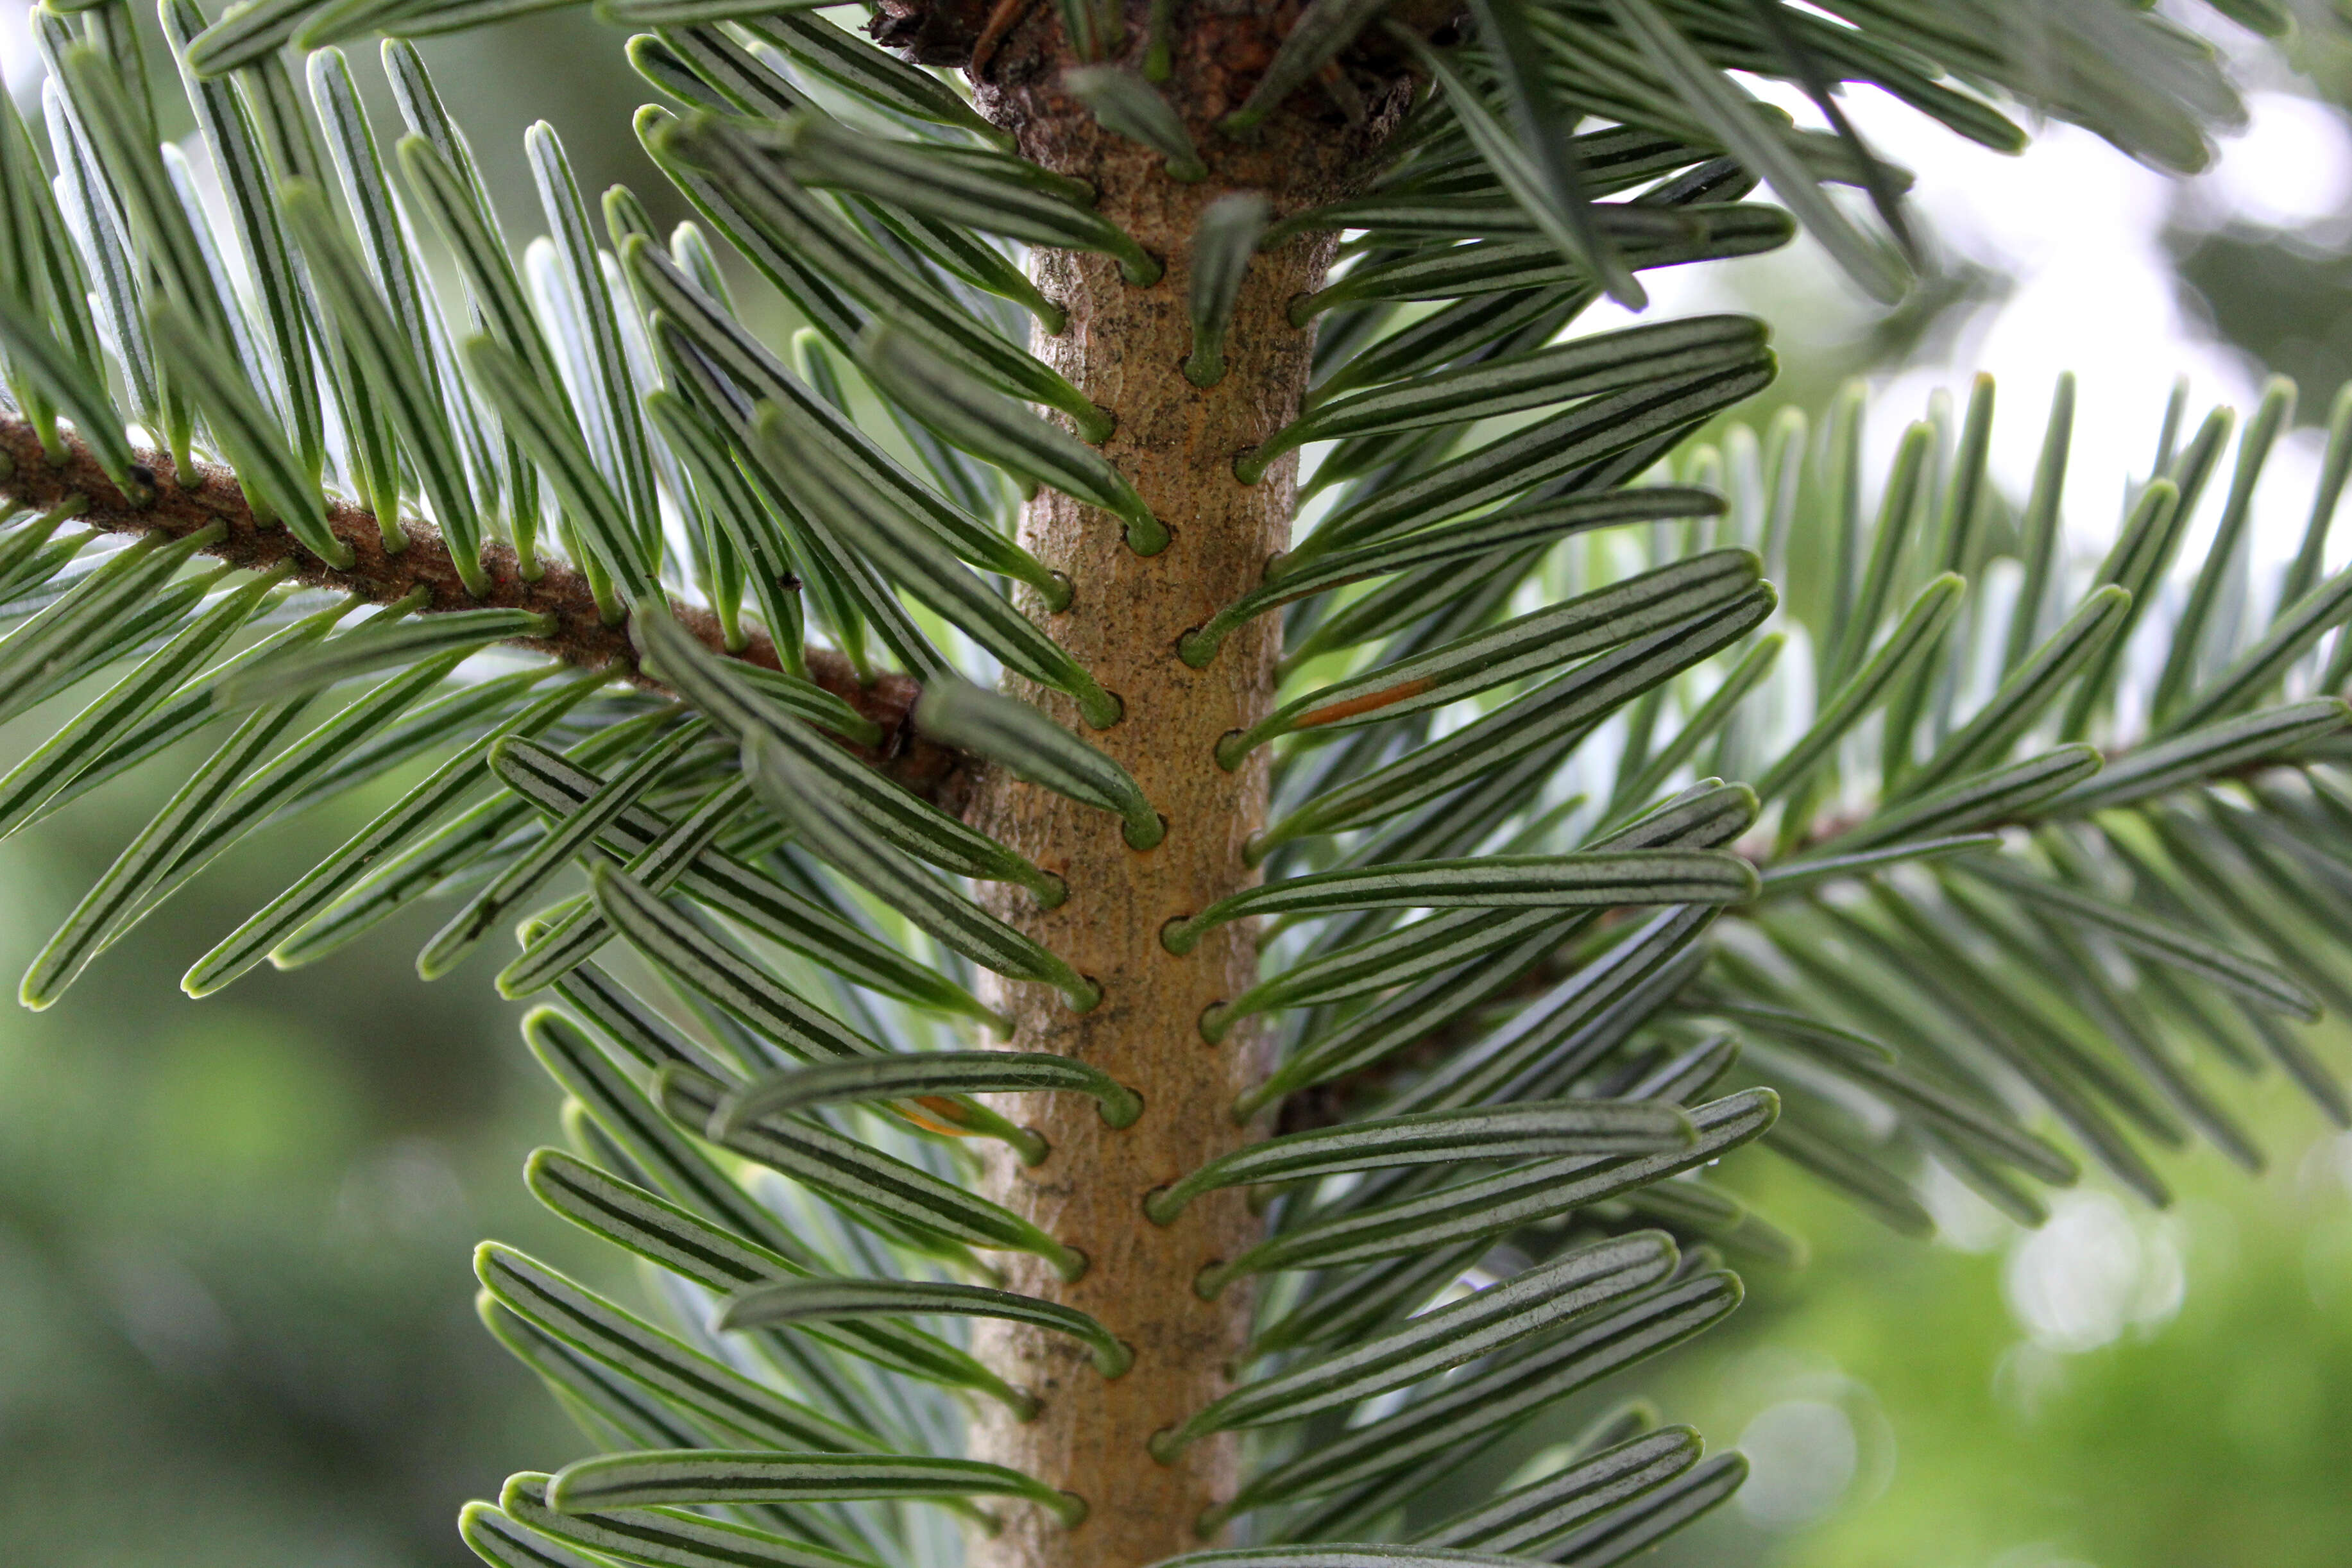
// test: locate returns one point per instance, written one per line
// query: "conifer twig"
(30, 479)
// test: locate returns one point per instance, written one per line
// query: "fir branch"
(582, 637)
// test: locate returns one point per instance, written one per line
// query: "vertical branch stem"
(1125, 347)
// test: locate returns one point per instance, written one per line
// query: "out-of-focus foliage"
(2119, 1390)
(2282, 303)
(2159, 1391)
(239, 1324)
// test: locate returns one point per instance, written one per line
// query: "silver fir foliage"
(2032, 846)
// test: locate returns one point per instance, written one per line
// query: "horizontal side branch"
(29, 478)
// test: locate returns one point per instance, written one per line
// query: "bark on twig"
(30, 479)
(1126, 347)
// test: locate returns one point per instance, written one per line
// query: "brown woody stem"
(1125, 347)
(31, 478)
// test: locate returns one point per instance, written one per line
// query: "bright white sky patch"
(2078, 227)
(19, 62)
(2292, 167)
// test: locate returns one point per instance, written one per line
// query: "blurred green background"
(236, 1310)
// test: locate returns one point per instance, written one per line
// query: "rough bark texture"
(1123, 347)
